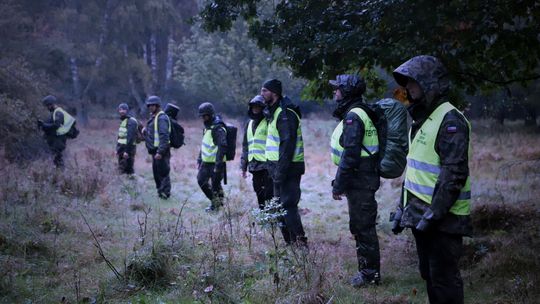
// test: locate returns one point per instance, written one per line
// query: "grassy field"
(88, 235)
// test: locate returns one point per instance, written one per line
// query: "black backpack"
(177, 134)
(73, 131)
(232, 131)
(390, 118)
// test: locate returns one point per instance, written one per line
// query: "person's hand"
(157, 156)
(244, 174)
(395, 218)
(125, 155)
(424, 225)
(337, 196)
(40, 123)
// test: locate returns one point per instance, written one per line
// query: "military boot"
(366, 277)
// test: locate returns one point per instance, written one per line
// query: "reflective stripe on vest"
(273, 140)
(156, 133)
(424, 166)
(122, 131)
(208, 148)
(257, 141)
(370, 141)
(68, 121)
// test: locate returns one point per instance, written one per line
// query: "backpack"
(390, 118)
(177, 134)
(232, 131)
(139, 137)
(73, 131)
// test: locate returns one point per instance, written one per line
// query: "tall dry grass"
(172, 251)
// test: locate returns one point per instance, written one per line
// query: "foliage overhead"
(484, 44)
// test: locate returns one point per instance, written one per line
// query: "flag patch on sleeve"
(348, 121)
(451, 129)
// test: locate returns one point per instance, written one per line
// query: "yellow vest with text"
(122, 131)
(273, 140)
(424, 166)
(257, 141)
(68, 121)
(208, 148)
(370, 141)
(156, 133)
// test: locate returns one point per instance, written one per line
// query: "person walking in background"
(126, 146)
(253, 151)
(211, 160)
(56, 129)
(354, 149)
(157, 139)
(436, 201)
(285, 157)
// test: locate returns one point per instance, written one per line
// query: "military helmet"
(172, 110)
(206, 108)
(350, 85)
(48, 100)
(258, 100)
(153, 100)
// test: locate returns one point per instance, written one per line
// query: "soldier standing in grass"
(157, 139)
(285, 157)
(126, 145)
(354, 149)
(56, 128)
(253, 151)
(211, 161)
(436, 199)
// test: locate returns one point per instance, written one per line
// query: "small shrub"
(149, 266)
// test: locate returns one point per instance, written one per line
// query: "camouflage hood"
(430, 74)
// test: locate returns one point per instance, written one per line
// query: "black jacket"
(53, 123)
(452, 145)
(354, 171)
(287, 125)
(245, 164)
(219, 136)
(131, 137)
(163, 133)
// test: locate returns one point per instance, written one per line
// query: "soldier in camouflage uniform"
(354, 150)
(436, 196)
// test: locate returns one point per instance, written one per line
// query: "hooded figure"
(253, 151)
(436, 198)
(354, 150)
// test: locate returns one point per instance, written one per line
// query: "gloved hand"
(395, 218)
(423, 226)
(426, 223)
(40, 123)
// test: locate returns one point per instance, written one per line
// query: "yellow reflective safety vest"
(370, 141)
(424, 166)
(68, 121)
(156, 133)
(257, 141)
(273, 140)
(122, 131)
(208, 148)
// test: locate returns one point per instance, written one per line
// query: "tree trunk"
(530, 115)
(133, 89)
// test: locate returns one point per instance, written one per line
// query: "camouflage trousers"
(362, 224)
